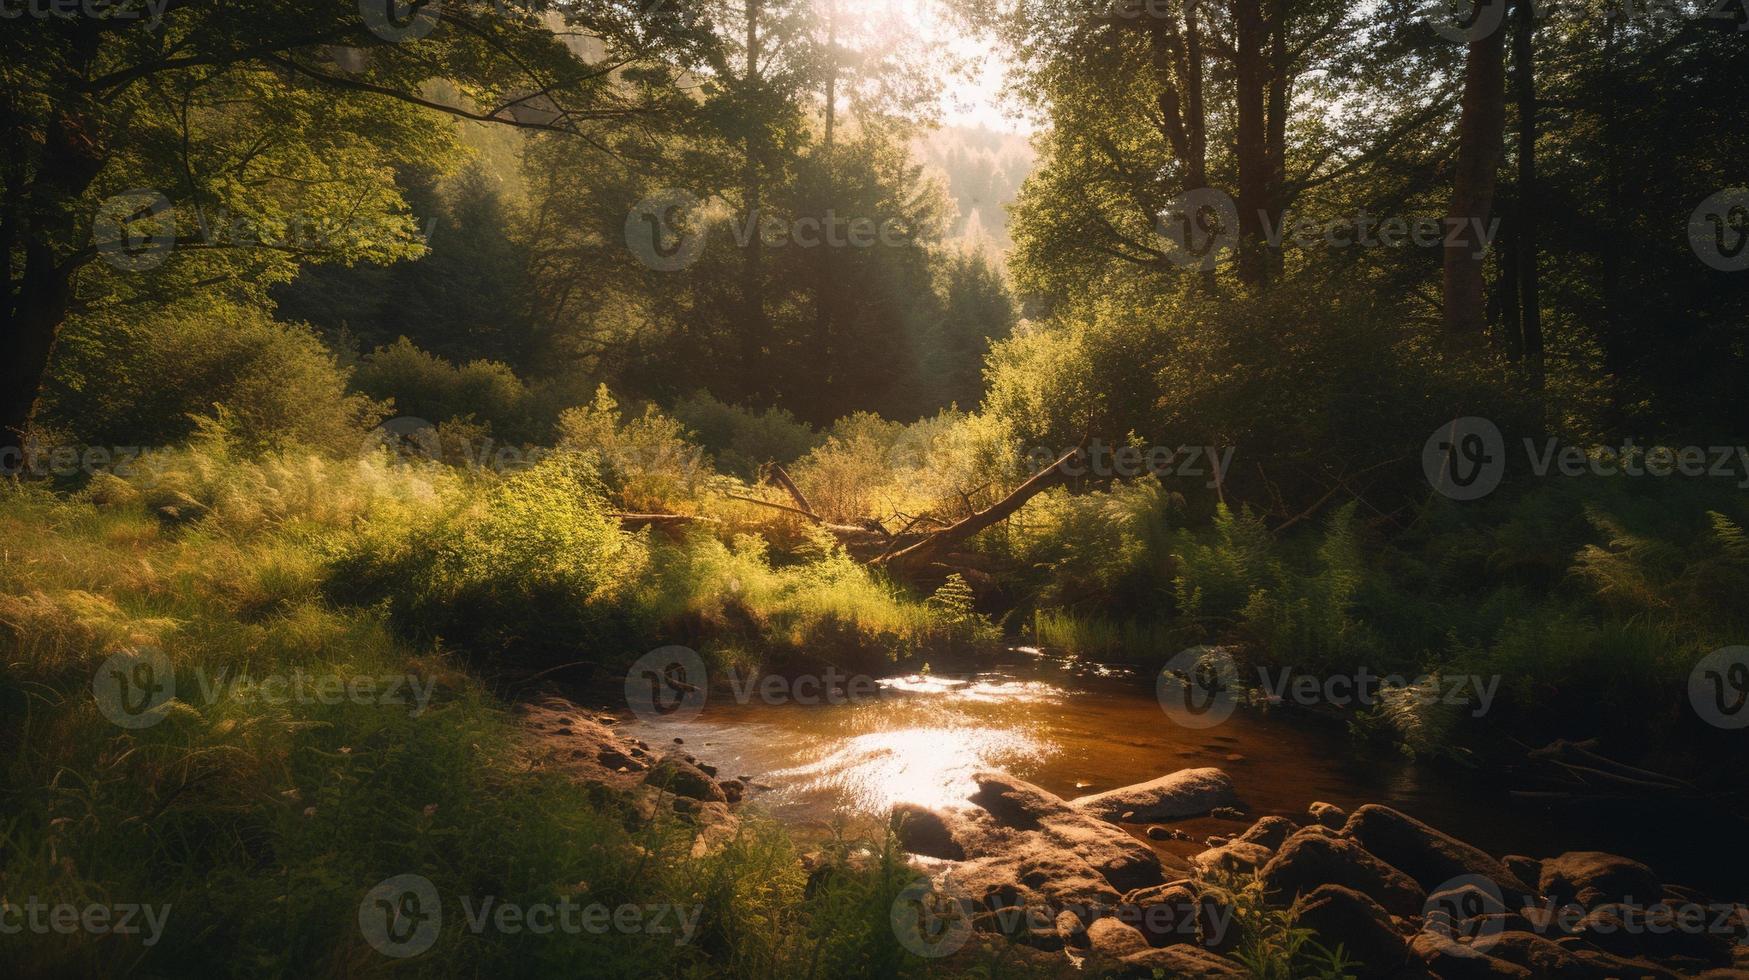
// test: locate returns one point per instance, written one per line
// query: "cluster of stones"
(1075, 878)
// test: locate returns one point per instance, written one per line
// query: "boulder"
(1271, 832)
(1464, 900)
(1233, 857)
(1450, 960)
(1185, 793)
(1592, 878)
(1178, 961)
(682, 778)
(1527, 869)
(921, 830)
(1034, 874)
(1072, 930)
(1635, 930)
(1110, 937)
(1016, 815)
(1164, 914)
(1309, 860)
(1328, 814)
(1361, 926)
(1430, 857)
(1544, 958)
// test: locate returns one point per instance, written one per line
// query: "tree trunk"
(831, 75)
(1178, 68)
(1252, 144)
(40, 210)
(1481, 127)
(1280, 80)
(1530, 312)
(753, 337)
(29, 327)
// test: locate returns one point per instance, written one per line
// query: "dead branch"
(663, 520)
(786, 508)
(780, 476)
(979, 520)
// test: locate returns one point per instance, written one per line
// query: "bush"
(648, 464)
(533, 565)
(741, 439)
(425, 386)
(1297, 384)
(117, 381)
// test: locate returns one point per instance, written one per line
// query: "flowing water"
(1075, 728)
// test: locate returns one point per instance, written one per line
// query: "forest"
(841, 488)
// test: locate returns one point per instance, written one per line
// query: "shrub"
(741, 439)
(534, 565)
(648, 463)
(425, 386)
(121, 381)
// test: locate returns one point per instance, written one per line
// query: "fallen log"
(780, 476)
(839, 529)
(634, 521)
(931, 543)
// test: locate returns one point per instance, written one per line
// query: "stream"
(1076, 728)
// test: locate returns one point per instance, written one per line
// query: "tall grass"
(262, 822)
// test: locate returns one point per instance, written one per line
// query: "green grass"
(263, 822)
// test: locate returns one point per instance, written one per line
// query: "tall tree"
(268, 129)
(1481, 127)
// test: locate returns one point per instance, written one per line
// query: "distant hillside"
(983, 169)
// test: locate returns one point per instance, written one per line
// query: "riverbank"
(1108, 884)
(1374, 893)
(274, 699)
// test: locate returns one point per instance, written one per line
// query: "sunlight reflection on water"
(929, 766)
(922, 741)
